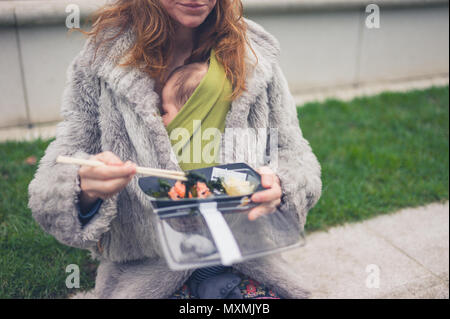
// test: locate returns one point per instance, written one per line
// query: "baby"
(179, 87)
(205, 282)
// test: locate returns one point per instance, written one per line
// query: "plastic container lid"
(196, 233)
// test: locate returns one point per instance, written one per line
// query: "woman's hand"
(104, 181)
(269, 198)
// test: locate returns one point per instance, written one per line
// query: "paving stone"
(408, 248)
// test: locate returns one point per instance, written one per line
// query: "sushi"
(199, 190)
(198, 187)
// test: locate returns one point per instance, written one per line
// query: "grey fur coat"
(110, 108)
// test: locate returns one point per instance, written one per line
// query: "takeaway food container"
(195, 233)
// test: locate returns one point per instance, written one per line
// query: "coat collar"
(138, 87)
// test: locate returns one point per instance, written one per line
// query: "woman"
(111, 110)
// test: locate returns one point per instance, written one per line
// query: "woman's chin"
(191, 21)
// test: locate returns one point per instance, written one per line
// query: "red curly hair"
(224, 30)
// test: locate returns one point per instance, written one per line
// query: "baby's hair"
(187, 82)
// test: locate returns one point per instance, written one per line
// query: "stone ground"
(401, 255)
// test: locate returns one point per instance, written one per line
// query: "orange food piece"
(202, 190)
(178, 191)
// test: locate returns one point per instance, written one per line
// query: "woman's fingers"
(273, 192)
(108, 172)
(263, 209)
(269, 198)
(106, 189)
(269, 181)
(268, 177)
(106, 181)
(108, 158)
(114, 168)
(267, 195)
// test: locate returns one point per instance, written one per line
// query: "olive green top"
(196, 130)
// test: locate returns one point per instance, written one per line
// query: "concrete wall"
(323, 49)
(324, 44)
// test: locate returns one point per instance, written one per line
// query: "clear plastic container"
(196, 233)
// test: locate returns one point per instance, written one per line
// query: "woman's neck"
(183, 47)
(184, 39)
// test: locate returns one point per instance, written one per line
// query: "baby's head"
(179, 87)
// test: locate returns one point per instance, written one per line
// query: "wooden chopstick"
(147, 171)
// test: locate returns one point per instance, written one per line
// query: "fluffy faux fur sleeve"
(53, 193)
(296, 165)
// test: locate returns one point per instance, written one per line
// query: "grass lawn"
(32, 264)
(378, 154)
